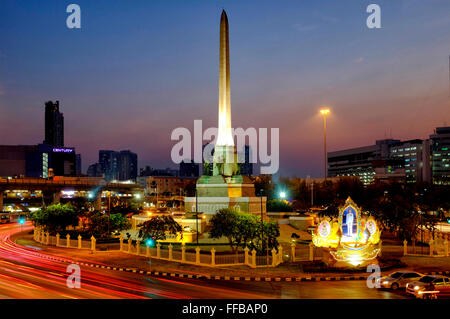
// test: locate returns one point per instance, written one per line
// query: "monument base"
(210, 205)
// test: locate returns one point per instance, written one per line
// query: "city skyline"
(156, 75)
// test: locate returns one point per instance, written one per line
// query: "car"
(399, 279)
(4, 218)
(429, 287)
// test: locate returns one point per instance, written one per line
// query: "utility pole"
(325, 112)
(196, 212)
(109, 213)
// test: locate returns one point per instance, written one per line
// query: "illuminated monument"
(351, 240)
(226, 188)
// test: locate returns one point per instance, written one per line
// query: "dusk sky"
(138, 69)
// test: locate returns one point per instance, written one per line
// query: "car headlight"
(385, 282)
(416, 287)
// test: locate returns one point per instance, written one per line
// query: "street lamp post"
(196, 213)
(261, 192)
(109, 213)
(324, 113)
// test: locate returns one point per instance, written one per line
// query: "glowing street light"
(324, 113)
(282, 195)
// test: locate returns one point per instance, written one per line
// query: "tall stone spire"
(225, 136)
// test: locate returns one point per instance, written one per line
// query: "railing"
(58, 241)
(437, 247)
(207, 258)
(203, 258)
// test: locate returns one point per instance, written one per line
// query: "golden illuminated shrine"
(351, 240)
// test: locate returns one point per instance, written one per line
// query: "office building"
(127, 165)
(54, 125)
(36, 161)
(95, 170)
(109, 163)
(78, 164)
(440, 155)
(416, 159)
(114, 165)
(360, 161)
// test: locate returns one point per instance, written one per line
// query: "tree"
(267, 234)
(99, 223)
(56, 217)
(158, 227)
(223, 224)
(244, 230)
(278, 205)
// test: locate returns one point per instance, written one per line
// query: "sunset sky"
(138, 69)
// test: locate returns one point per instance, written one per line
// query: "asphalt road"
(25, 274)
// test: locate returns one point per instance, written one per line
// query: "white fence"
(202, 258)
(45, 238)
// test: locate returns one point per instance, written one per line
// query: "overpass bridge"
(57, 184)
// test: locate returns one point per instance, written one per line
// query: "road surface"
(25, 274)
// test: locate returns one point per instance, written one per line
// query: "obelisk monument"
(226, 187)
(225, 155)
(225, 137)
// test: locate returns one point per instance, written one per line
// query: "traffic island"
(119, 261)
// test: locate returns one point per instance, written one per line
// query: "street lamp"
(282, 195)
(261, 192)
(324, 113)
(196, 213)
(109, 213)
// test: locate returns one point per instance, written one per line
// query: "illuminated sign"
(63, 150)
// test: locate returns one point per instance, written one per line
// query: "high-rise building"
(54, 125)
(115, 165)
(388, 160)
(440, 155)
(127, 165)
(78, 164)
(95, 170)
(109, 162)
(416, 159)
(63, 161)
